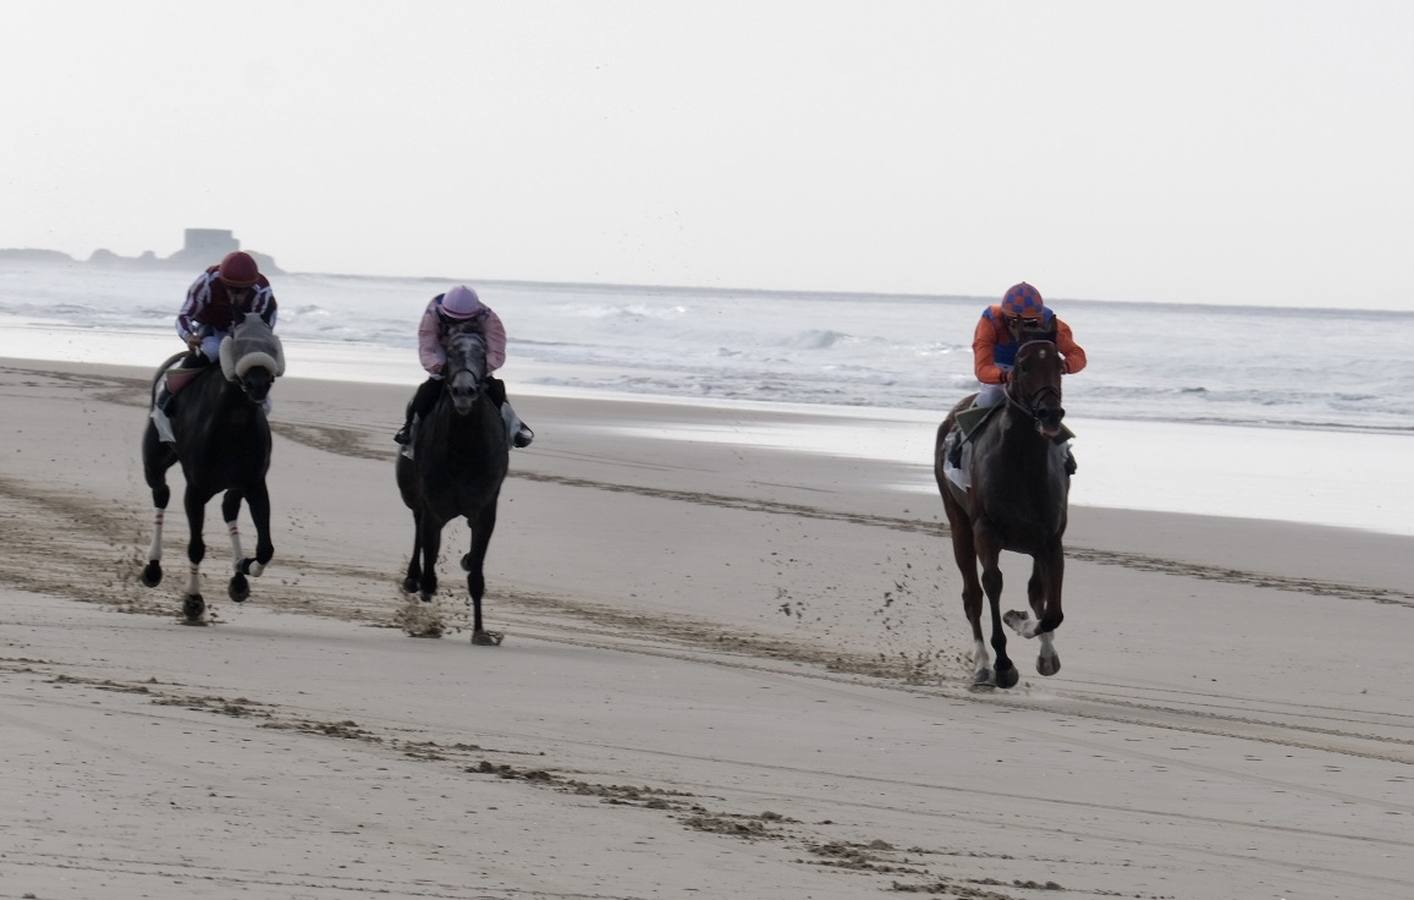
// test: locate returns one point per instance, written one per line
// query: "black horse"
(459, 459)
(223, 444)
(1017, 501)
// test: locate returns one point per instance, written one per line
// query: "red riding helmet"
(238, 269)
(1023, 302)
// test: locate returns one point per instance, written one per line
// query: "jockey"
(1021, 316)
(460, 305)
(213, 299)
(233, 285)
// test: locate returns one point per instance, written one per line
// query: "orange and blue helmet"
(1023, 301)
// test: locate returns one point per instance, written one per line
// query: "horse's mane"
(458, 339)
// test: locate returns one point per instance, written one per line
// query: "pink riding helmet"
(461, 302)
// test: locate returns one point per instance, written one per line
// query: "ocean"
(1302, 377)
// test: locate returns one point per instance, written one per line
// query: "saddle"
(179, 377)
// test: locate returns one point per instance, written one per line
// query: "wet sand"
(728, 671)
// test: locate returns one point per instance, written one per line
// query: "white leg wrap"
(981, 659)
(154, 552)
(194, 582)
(1048, 647)
(235, 533)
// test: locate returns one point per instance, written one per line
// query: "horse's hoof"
(487, 638)
(1047, 665)
(152, 573)
(411, 585)
(428, 595)
(193, 607)
(239, 589)
(466, 562)
(1007, 677)
(983, 679)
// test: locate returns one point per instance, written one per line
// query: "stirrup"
(402, 437)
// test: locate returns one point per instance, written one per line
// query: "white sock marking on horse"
(1028, 628)
(981, 659)
(234, 530)
(256, 568)
(194, 582)
(1048, 647)
(154, 552)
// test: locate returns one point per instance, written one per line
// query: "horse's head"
(252, 356)
(1035, 385)
(465, 371)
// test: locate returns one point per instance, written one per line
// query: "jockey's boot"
(404, 434)
(1063, 439)
(955, 451)
(520, 433)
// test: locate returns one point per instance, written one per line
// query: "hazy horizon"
(1249, 153)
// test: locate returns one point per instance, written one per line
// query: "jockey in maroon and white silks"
(213, 299)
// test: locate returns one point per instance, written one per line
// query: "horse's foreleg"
(473, 562)
(430, 536)
(238, 589)
(1044, 593)
(193, 605)
(413, 581)
(1055, 575)
(258, 499)
(989, 554)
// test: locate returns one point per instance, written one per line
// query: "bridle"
(1031, 406)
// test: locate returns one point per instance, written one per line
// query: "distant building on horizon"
(201, 247)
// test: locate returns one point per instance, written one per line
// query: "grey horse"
(459, 459)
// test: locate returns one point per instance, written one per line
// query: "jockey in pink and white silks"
(462, 307)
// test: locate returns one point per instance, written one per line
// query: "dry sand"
(728, 672)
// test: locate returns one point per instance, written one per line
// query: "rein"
(1035, 398)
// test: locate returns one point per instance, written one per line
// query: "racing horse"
(223, 444)
(459, 457)
(1017, 501)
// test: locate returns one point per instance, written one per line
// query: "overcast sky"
(1185, 151)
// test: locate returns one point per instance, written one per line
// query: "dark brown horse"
(1017, 501)
(223, 444)
(460, 456)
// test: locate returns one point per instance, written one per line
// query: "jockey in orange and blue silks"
(1021, 316)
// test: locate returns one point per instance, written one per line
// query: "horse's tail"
(162, 370)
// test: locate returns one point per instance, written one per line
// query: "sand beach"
(730, 670)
